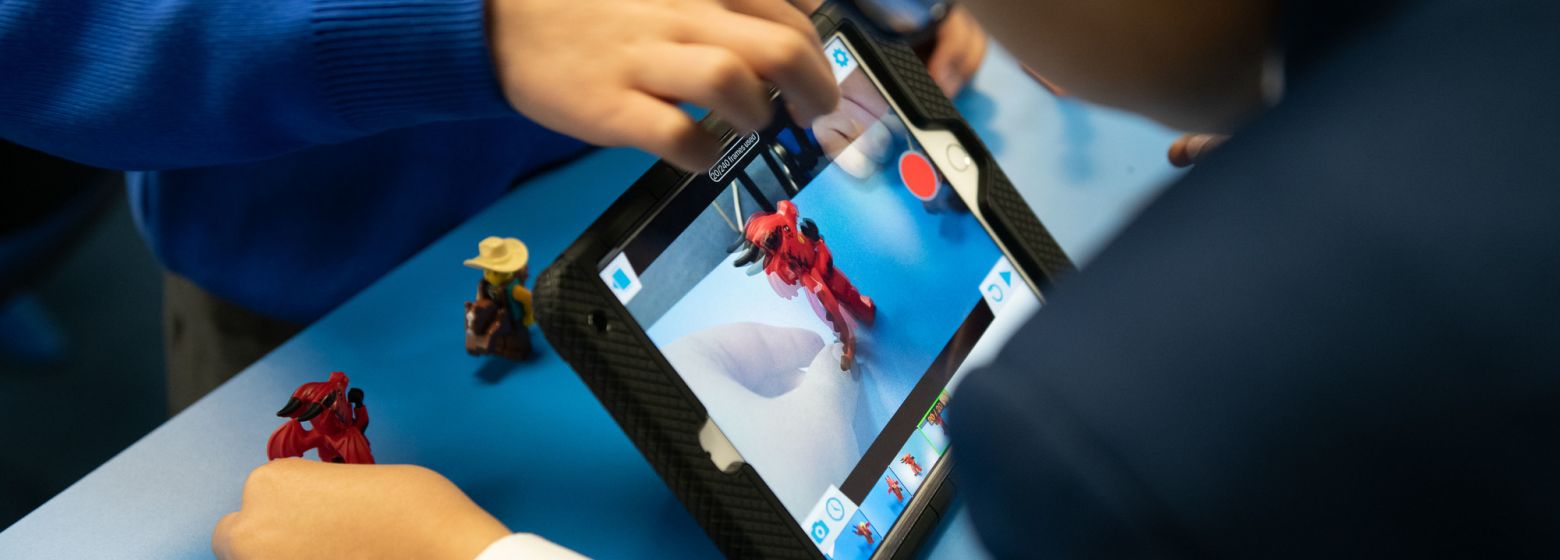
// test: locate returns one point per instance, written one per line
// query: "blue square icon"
(820, 531)
(620, 276)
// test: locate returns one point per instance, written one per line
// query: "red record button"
(918, 175)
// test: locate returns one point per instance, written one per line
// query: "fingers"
(711, 77)
(807, 6)
(837, 130)
(266, 480)
(857, 93)
(222, 536)
(1192, 148)
(259, 480)
(611, 73)
(254, 484)
(656, 126)
(228, 537)
(793, 61)
(961, 46)
(793, 15)
(1047, 84)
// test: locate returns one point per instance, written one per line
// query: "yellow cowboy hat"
(500, 254)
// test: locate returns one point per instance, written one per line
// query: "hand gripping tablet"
(591, 330)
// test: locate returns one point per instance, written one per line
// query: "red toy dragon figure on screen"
(795, 257)
(895, 488)
(865, 530)
(337, 416)
(915, 467)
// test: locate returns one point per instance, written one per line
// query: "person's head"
(1190, 64)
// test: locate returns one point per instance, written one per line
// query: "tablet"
(779, 334)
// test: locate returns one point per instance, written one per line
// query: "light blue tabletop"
(530, 443)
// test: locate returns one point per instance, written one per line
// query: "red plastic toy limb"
(896, 489)
(865, 530)
(795, 255)
(337, 416)
(915, 468)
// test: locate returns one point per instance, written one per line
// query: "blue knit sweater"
(292, 150)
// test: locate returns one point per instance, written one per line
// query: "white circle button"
(958, 158)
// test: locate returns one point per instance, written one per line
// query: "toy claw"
(794, 255)
(292, 405)
(337, 434)
(314, 410)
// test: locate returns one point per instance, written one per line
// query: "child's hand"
(295, 508)
(961, 46)
(611, 72)
(857, 123)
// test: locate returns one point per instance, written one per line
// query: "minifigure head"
(501, 259)
(498, 278)
(1192, 65)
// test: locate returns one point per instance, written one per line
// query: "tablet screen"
(818, 290)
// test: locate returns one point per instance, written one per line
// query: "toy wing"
(289, 440)
(782, 288)
(353, 447)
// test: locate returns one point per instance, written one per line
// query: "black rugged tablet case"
(591, 330)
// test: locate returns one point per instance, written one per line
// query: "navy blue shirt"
(292, 237)
(1338, 336)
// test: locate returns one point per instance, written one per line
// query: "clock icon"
(836, 509)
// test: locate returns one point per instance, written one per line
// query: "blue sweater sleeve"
(149, 84)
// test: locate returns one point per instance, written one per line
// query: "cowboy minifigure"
(498, 322)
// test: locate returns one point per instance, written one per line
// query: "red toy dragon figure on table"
(795, 257)
(895, 488)
(915, 468)
(337, 416)
(865, 530)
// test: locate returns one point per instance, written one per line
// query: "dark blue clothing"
(318, 142)
(155, 84)
(294, 236)
(1340, 336)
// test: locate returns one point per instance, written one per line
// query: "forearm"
(141, 85)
